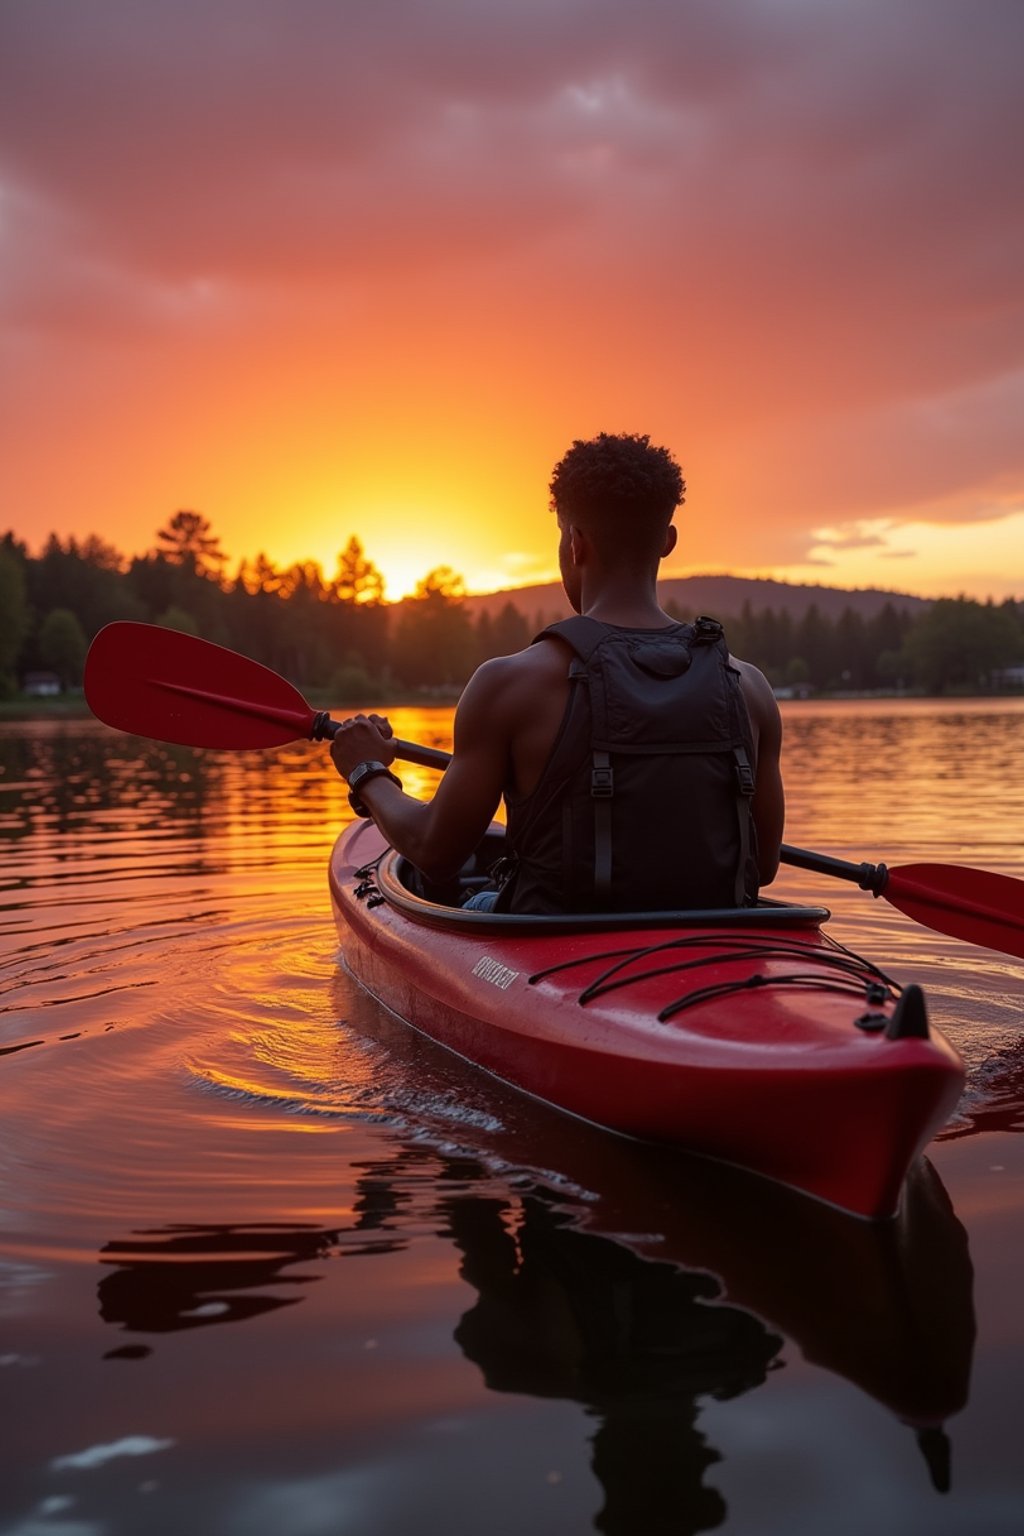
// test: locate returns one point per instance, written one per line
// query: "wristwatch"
(359, 775)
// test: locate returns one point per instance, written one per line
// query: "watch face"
(362, 771)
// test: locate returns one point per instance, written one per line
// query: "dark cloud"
(187, 133)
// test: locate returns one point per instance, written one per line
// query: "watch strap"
(361, 774)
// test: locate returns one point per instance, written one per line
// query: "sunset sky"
(316, 267)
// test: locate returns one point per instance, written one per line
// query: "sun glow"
(398, 544)
(407, 536)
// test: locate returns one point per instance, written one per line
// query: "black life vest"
(644, 802)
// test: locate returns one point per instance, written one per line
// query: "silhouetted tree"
(189, 541)
(303, 596)
(357, 579)
(503, 635)
(959, 643)
(341, 632)
(154, 581)
(850, 650)
(160, 584)
(62, 646)
(813, 643)
(484, 637)
(87, 579)
(98, 552)
(510, 632)
(259, 575)
(888, 629)
(14, 614)
(433, 642)
(358, 626)
(177, 618)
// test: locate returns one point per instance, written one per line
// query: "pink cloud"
(789, 239)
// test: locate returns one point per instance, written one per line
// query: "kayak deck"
(746, 1035)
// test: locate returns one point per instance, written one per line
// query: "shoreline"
(75, 707)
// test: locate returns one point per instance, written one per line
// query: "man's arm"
(769, 804)
(440, 834)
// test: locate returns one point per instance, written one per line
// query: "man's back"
(631, 769)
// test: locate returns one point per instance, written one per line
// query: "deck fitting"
(910, 1020)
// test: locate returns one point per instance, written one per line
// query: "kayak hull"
(749, 1037)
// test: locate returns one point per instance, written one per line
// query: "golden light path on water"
(204, 1122)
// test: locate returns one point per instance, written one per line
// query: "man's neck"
(623, 618)
(629, 603)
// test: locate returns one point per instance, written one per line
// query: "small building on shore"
(41, 685)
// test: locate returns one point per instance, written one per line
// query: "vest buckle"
(706, 631)
(602, 783)
(744, 772)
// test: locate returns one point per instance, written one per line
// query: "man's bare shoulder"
(751, 674)
(759, 694)
(545, 659)
(510, 694)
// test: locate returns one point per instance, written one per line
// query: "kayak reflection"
(639, 1329)
(887, 1306)
(565, 1313)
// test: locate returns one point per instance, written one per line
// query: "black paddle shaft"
(870, 877)
(323, 728)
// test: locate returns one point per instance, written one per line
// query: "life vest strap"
(745, 793)
(602, 788)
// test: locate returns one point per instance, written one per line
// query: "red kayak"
(748, 1035)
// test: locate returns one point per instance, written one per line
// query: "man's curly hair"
(614, 479)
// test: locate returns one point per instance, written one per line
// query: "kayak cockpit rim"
(393, 870)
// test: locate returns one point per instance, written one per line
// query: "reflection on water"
(559, 1314)
(995, 1100)
(203, 1123)
(563, 1312)
(193, 1276)
(915, 779)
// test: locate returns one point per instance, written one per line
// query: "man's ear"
(670, 540)
(579, 545)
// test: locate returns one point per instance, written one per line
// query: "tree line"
(336, 635)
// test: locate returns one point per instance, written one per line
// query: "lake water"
(272, 1263)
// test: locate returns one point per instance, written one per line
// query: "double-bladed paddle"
(178, 688)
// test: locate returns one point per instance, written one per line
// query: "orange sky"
(315, 268)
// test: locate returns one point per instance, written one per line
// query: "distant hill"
(721, 597)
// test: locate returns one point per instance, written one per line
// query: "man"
(639, 762)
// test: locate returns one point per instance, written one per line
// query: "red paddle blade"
(174, 687)
(969, 904)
